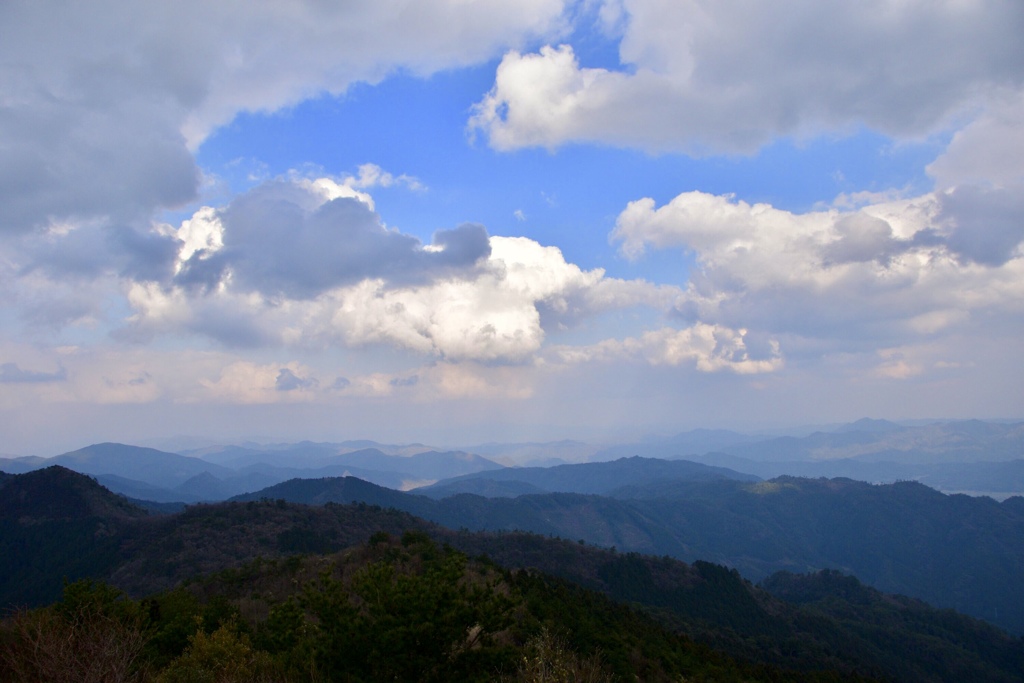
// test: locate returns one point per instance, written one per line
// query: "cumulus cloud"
(879, 273)
(295, 263)
(46, 305)
(292, 239)
(498, 315)
(983, 225)
(708, 348)
(91, 249)
(989, 151)
(704, 76)
(100, 109)
(862, 238)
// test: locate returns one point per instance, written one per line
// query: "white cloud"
(301, 237)
(284, 52)
(372, 175)
(102, 104)
(707, 76)
(323, 190)
(494, 316)
(250, 275)
(247, 382)
(202, 232)
(894, 365)
(313, 298)
(897, 270)
(708, 348)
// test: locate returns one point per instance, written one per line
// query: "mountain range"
(967, 455)
(965, 558)
(964, 456)
(213, 474)
(596, 477)
(953, 551)
(819, 626)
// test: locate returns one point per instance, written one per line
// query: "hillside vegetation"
(405, 610)
(953, 551)
(700, 620)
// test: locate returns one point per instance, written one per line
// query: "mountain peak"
(57, 493)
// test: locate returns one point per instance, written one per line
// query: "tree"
(223, 656)
(94, 635)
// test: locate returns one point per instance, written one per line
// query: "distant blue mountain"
(329, 459)
(157, 468)
(866, 424)
(429, 465)
(593, 477)
(694, 442)
(150, 474)
(881, 441)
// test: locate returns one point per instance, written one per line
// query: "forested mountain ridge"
(709, 603)
(394, 608)
(951, 550)
(57, 493)
(56, 523)
(712, 604)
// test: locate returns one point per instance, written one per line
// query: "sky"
(466, 221)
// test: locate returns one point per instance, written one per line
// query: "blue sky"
(418, 126)
(471, 221)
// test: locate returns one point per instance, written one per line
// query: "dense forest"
(270, 590)
(391, 609)
(956, 551)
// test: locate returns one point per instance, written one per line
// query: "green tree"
(224, 656)
(420, 616)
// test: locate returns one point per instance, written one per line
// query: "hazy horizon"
(184, 441)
